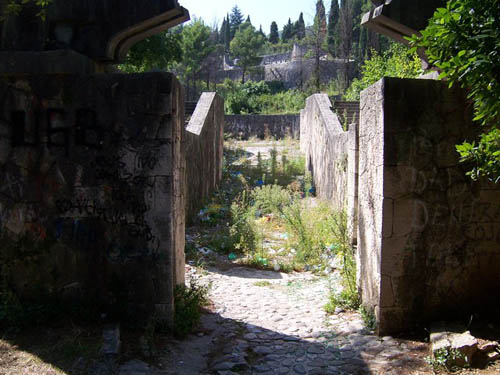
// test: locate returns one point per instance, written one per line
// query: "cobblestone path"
(273, 323)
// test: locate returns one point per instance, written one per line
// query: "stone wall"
(92, 204)
(204, 138)
(429, 237)
(263, 126)
(330, 154)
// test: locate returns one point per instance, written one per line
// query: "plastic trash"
(205, 250)
(231, 256)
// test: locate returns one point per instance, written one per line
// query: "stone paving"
(265, 322)
(274, 323)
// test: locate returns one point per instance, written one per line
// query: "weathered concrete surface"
(103, 30)
(263, 126)
(429, 238)
(92, 204)
(204, 142)
(398, 19)
(331, 153)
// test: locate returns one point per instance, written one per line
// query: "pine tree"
(248, 20)
(274, 36)
(333, 29)
(235, 20)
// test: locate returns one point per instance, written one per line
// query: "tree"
(316, 41)
(235, 20)
(15, 6)
(333, 28)
(227, 34)
(154, 53)
(300, 27)
(262, 33)
(399, 61)
(287, 33)
(246, 46)
(274, 37)
(196, 47)
(462, 41)
(345, 40)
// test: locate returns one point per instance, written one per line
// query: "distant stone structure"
(292, 68)
(93, 166)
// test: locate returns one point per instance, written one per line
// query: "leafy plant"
(188, 302)
(446, 359)
(243, 230)
(461, 40)
(368, 317)
(398, 61)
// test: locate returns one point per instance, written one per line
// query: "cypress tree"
(300, 27)
(333, 29)
(287, 31)
(274, 36)
(227, 34)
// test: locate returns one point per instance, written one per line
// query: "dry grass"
(65, 349)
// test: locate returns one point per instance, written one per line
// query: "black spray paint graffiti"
(130, 217)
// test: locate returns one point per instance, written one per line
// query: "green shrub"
(188, 302)
(399, 61)
(243, 230)
(270, 199)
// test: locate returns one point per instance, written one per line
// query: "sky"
(262, 12)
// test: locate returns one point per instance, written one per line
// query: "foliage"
(462, 41)
(196, 46)
(260, 97)
(300, 27)
(243, 230)
(332, 33)
(274, 36)
(398, 61)
(246, 45)
(287, 33)
(348, 297)
(485, 155)
(270, 198)
(14, 7)
(153, 53)
(368, 317)
(445, 359)
(235, 20)
(188, 301)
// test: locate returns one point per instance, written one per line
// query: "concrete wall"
(204, 138)
(92, 204)
(260, 126)
(331, 154)
(429, 238)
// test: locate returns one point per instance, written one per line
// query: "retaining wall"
(262, 126)
(92, 204)
(331, 155)
(203, 144)
(429, 237)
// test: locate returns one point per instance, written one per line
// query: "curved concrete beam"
(120, 43)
